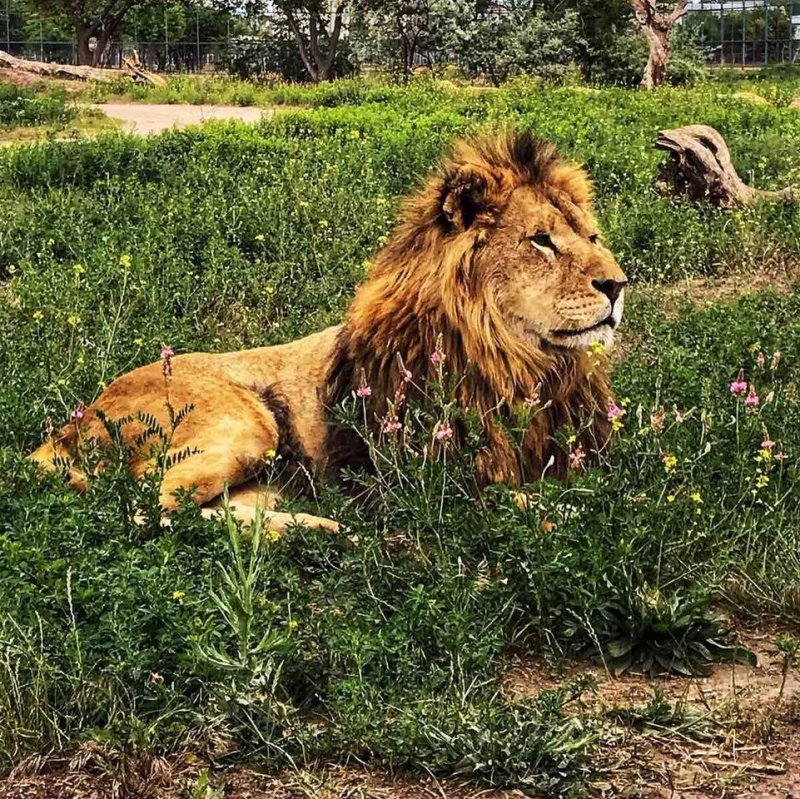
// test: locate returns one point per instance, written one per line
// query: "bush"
(24, 107)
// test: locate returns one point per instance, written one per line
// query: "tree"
(97, 20)
(317, 27)
(657, 23)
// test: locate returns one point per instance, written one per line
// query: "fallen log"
(69, 72)
(700, 168)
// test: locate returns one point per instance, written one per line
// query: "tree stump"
(700, 168)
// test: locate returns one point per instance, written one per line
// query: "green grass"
(21, 107)
(388, 643)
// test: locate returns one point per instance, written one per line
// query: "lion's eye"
(543, 240)
(594, 238)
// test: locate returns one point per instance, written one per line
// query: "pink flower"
(614, 411)
(760, 359)
(577, 457)
(438, 356)
(78, 413)
(752, 400)
(767, 443)
(739, 386)
(445, 432)
(407, 375)
(364, 389)
(166, 360)
(781, 456)
(391, 424)
(657, 419)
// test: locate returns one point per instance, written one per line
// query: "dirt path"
(146, 119)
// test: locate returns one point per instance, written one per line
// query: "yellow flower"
(38, 316)
(670, 462)
(269, 289)
(762, 481)
(696, 498)
(671, 498)
(572, 439)
(616, 424)
(764, 455)
(260, 237)
(596, 348)
(125, 260)
(270, 454)
(178, 596)
(293, 624)
(323, 223)
(78, 269)
(274, 535)
(139, 342)
(73, 319)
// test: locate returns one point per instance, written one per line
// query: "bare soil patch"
(147, 119)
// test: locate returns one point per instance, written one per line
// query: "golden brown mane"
(425, 288)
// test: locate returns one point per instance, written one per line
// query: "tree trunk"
(85, 56)
(655, 72)
(700, 168)
(657, 26)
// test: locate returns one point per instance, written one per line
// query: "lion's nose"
(611, 288)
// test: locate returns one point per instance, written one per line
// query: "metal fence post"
(197, 32)
(8, 26)
(722, 34)
(766, 32)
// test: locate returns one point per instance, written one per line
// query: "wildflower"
(671, 498)
(670, 462)
(596, 348)
(445, 431)
(48, 427)
(391, 424)
(364, 390)
(679, 417)
(534, 399)
(125, 260)
(139, 342)
(407, 375)
(293, 624)
(767, 443)
(577, 457)
(269, 290)
(270, 454)
(438, 356)
(73, 320)
(274, 535)
(166, 360)
(696, 497)
(37, 316)
(323, 223)
(78, 269)
(78, 412)
(178, 596)
(739, 385)
(781, 457)
(776, 359)
(156, 678)
(762, 481)
(761, 360)
(615, 414)
(752, 400)
(657, 419)
(260, 237)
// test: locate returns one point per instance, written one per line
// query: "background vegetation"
(285, 649)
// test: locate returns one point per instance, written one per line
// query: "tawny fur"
(463, 269)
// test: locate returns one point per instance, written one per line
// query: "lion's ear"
(467, 197)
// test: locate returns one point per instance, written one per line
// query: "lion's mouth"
(609, 321)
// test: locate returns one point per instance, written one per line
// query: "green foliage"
(25, 107)
(287, 648)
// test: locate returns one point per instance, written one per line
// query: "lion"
(497, 265)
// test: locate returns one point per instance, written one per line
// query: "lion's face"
(552, 276)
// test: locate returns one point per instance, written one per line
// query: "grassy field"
(388, 644)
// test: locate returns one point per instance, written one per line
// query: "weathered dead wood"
(69, 72)
(700, 168)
